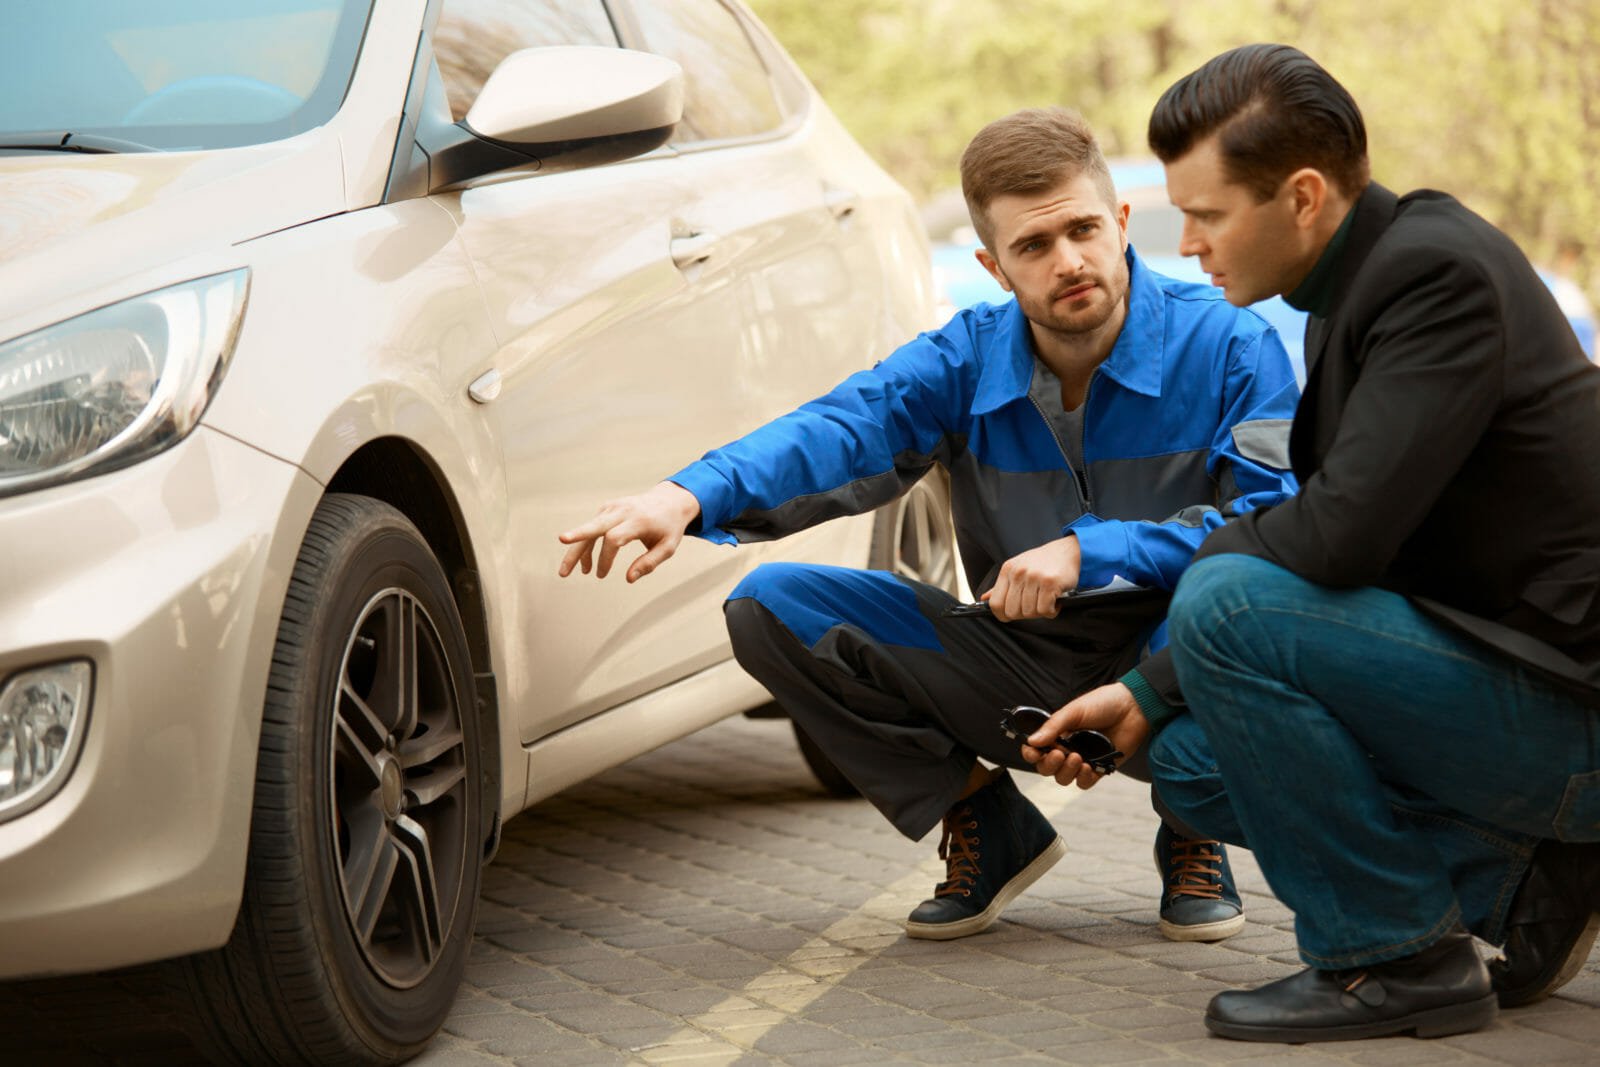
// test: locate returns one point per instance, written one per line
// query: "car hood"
(77, 229)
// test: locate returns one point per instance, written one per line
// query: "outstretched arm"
(656, 518)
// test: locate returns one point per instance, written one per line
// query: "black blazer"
(1448, 440)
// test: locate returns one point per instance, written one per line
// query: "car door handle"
(842, 203)
(693, 249)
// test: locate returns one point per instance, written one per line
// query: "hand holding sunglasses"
(1092, 746)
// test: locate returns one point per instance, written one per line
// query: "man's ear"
(1308, 188)
(993, 267)
(1123, 210)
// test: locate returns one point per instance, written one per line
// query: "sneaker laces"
(959, 851)
(1195, 868)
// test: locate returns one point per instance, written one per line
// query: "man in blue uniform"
(1094, 431)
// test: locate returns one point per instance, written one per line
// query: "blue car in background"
(1154, 229)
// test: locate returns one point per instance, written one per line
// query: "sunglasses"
(1094, 747)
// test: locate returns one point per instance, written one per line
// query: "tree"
(1497, 102)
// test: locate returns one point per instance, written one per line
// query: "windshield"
(174, 74)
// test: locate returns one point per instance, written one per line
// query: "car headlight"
(117, 384)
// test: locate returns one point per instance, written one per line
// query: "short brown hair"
(1027, 152)
(1274, 110)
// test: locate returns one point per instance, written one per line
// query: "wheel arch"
(402, 475)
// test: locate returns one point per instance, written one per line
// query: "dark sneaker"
(1552, 925)
(1444, 989)
(1198, 899)
(995, 845)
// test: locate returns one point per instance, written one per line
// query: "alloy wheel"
(398, 766)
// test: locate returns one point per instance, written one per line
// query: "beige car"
(318, 320)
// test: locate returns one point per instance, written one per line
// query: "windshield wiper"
(66, 141)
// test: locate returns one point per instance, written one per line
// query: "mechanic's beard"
(1088, 320)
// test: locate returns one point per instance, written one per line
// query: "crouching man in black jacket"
(1392, 678)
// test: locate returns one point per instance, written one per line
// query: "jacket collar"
(1374, 210)
(1134, 363)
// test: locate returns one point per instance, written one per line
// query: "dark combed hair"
(1274, 110)
(1027, 152)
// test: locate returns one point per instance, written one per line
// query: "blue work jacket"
(1185, 425)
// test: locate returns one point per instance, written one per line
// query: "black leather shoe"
(1444, 989)
(995, 845)
(1552, 926)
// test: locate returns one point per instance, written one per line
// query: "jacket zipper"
(1079, 484)
(1083, 447)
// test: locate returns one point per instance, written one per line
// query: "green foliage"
(1496, 101)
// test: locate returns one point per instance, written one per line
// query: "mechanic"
(1392, 678)
(1094, 431)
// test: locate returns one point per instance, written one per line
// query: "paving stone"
(1014, 1024)
(1141, 1018)
(1201, 1047)
(622, 974)
(977, 1004)
(833, 1056)
(924, 995)
(1084, 1045)
(445, 1056)
(1523, 1046)
(692, 1001)
(1406, 1051)
(1242, 975)
(701, 1054)
(1079, 1004)
(612, 1016)
(513, 1035)
(889, 1024)
(797, 1037)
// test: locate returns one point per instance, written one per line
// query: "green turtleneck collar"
(1315, 293)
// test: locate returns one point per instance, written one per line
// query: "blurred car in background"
(1154, 228)
(1576, 306)
(318, 320)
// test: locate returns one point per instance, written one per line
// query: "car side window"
(727, 89)
(473, 36)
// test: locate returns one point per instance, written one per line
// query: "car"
(319, 319)
(1154, 229)
(1575, 304)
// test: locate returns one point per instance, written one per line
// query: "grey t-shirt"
(1067, 426)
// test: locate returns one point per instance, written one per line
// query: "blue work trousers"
(902, 698)
(1391, 774)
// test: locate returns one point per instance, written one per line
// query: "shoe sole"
(1570, 966)
(1202, 931)
(1436, 1022)
(973, 924)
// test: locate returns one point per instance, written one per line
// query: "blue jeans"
(1391, 775)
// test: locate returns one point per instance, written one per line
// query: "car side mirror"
(542, 96)
(559, 107)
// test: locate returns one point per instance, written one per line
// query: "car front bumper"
(169, 576)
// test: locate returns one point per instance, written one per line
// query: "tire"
(914, 538)
(364, 855)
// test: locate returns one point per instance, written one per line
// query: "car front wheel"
(364, 863)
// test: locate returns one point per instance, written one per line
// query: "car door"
(619, 296)
(799, 210)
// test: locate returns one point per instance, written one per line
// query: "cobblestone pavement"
(708, 904)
